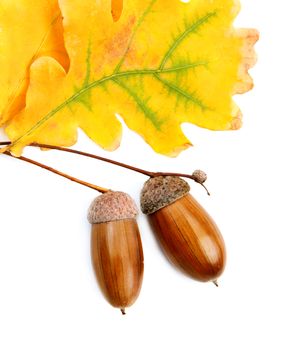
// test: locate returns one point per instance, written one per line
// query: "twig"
(41, 165)
(123, 165)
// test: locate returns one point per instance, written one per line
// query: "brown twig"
(123, 165)
(41, 165)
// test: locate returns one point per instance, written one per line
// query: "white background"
(48, 295)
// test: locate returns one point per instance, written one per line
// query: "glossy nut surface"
(190, 238)
(117, 259)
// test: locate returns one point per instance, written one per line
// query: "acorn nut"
(187, 234)
(116, 248)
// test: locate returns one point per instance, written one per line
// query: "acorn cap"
(112, 206)
(158, 192)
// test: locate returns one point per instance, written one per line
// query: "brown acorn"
(116, 248)
(187, 234)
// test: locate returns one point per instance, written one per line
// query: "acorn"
(187, 234)
(116, 248)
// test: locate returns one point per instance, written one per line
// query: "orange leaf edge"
(249, 58)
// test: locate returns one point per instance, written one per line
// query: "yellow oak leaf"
(164, 63)
(28, 30)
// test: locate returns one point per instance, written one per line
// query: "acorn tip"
(123, 311)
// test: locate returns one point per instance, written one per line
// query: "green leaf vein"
(143, 106)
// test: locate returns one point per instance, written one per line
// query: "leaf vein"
(183, 35)
(147, 111)
(140, 21)
(181, 92)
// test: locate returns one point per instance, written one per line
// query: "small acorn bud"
(116, 248)
(199, 176)
(186, 232)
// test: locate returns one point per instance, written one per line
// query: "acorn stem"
(55, 171)
(103, 159)
(207, 191)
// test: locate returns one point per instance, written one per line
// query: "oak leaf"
(28, 30)
(161, 64)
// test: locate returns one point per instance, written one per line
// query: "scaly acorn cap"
(158, 192)
(112, 206)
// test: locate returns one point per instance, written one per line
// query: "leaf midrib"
(99, 83)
